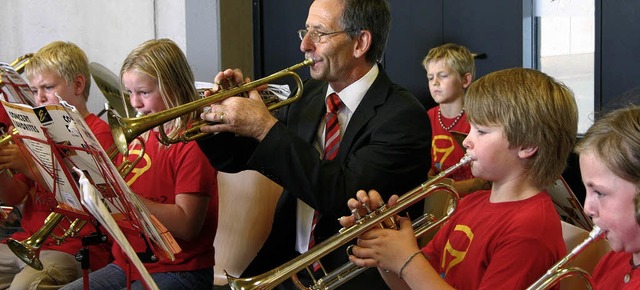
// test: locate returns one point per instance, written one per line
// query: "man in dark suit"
(384, 137)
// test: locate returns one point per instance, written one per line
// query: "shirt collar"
(352, 95)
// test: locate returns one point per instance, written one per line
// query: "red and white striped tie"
(331, 145)
(332, 129)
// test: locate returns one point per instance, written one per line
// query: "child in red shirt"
(450, 71)
(610, 168)
(175, 182)
(503, 238)
(60, 68)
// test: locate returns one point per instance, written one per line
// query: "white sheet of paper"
(99, 210)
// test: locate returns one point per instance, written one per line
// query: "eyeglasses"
(316, 36)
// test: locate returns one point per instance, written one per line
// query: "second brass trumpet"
(289, 270)
(124, 130)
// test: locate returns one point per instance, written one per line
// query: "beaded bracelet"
(407, 262)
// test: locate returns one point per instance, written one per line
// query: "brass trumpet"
(124, 130)
(7, 138)
(20, 62)
(27, 250)
(380, 217)
(126, 166)
(557, 272)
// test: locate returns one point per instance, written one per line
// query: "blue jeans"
(113, 277)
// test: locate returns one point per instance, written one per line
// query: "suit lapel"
(375, 96)
(312, 114)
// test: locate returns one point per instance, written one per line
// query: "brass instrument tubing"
(557, 272)
(7, 138)
(289, 269)
(124, 130)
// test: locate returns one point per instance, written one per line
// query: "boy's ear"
(466, 80)
(527, 151)
(78, 84)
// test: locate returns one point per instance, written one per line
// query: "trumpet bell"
(119, 131)
(28, 249)
(26, 252)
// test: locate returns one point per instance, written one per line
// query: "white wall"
(108, 30)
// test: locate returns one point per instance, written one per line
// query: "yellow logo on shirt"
(138, 171)
(456, 256)
(445, 151)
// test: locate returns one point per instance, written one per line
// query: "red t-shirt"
(163, 173)
(101, 130)
(446, 146)
(38, 206)
(507, 245)
(611, 271)
(5, 121)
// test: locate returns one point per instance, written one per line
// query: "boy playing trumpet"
(523, 127)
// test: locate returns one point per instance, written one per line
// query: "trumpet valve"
(356, 214)
(366, 207)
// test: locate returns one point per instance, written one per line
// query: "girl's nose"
(589, 207)
(135, 101)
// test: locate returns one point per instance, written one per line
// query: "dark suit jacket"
(386, 146)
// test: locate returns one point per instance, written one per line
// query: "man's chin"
(316, 76)
(317, 73)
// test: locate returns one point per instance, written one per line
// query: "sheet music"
(65, 126)
(25, 121)
(13, 87)
(79, 148)
(94, 204)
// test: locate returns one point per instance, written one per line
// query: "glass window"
(560, 41)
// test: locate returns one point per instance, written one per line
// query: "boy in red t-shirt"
(450, 71)
(523, 127)
(62, 68)
(610, 166)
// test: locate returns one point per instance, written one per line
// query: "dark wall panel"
(416, 27)
(277, 23)
(619, 54)
(493, 27)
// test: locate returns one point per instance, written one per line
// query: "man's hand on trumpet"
(387, 249)
(247, 117)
